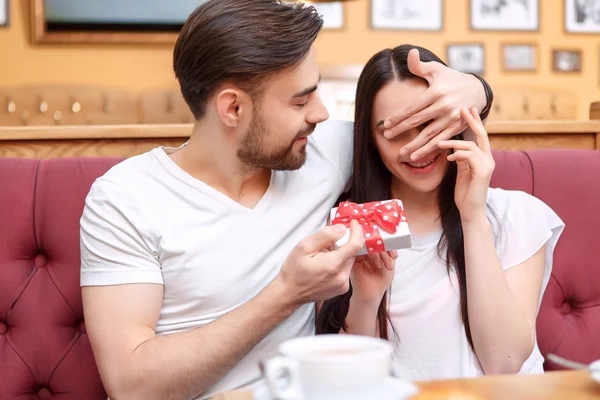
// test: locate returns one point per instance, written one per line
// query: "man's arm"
(136, 364)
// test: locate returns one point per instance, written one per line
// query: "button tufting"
(566, 308)
(40, 261)
(44, 394)
(3, 328)
(82, 327)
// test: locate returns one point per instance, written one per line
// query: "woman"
(463, 300)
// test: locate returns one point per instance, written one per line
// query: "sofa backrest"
(569, 182)
(43, 345)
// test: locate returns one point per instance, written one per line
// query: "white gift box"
(366, 213)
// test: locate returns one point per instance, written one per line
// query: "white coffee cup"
(329, 367)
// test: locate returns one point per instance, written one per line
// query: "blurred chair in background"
(164, 106)
(66, 105)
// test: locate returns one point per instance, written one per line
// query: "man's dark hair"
(243, 42)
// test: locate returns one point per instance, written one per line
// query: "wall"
(139, 67)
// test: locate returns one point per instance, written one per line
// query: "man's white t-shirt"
(431, 342)
(148, 221)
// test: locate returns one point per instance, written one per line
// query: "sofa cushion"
(43, 345)
(44, 350)
(568, 323)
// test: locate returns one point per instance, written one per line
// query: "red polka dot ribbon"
(372, 216)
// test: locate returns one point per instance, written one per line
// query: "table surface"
(560, 385)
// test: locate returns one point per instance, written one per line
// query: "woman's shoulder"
(516, 203)
(522, 223)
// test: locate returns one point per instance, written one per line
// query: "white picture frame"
(332, 13)
(421, 15)
(505, 15)
(466, 57)
(519, 57)
(582, 17)
(4, 13)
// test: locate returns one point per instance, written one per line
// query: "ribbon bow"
(371, 216)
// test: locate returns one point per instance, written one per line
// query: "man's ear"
(231, 104)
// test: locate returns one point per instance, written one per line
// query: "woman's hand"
(371, 276)
(475, 167)
(449, 90)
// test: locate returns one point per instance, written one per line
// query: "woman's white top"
(424, 305)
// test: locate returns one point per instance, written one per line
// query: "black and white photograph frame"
(466, 57)
(505, 15)
(410, 15)
(333, 14)
(582, 16)
(519, 57)
(4, 13)
(567, 60)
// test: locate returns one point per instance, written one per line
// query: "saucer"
(392, 389)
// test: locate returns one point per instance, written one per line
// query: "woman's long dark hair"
(372, 182)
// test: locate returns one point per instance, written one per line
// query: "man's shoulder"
(129, 174)
(132, 168)
(333, 138)
(334, 141)
(334, 128)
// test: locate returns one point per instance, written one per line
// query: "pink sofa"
(44, 350)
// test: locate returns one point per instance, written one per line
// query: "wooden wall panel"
(129, 140)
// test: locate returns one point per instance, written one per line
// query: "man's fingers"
(406, 118)
(424, 137)
(425, 115)
(432, 145)
(323, 239)
(420, 68)
(349, 249)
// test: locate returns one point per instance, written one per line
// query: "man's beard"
(254, 153)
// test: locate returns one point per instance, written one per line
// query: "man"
(197, 262)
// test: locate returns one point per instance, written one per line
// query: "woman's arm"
(362, 318)
(371, 277)
(502, 305)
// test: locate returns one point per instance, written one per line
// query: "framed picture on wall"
(566, 60)
(421, 15)
(519, 57)
(109, 21)
(4, 12)
(333, 14)
(582, 16)
(505, 15)
(469, 58)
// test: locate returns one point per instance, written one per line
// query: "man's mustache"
(307, 131)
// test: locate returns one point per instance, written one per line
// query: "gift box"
(383, 223)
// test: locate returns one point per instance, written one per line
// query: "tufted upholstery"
(45, 353)
(43, 346)
(567, 180)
